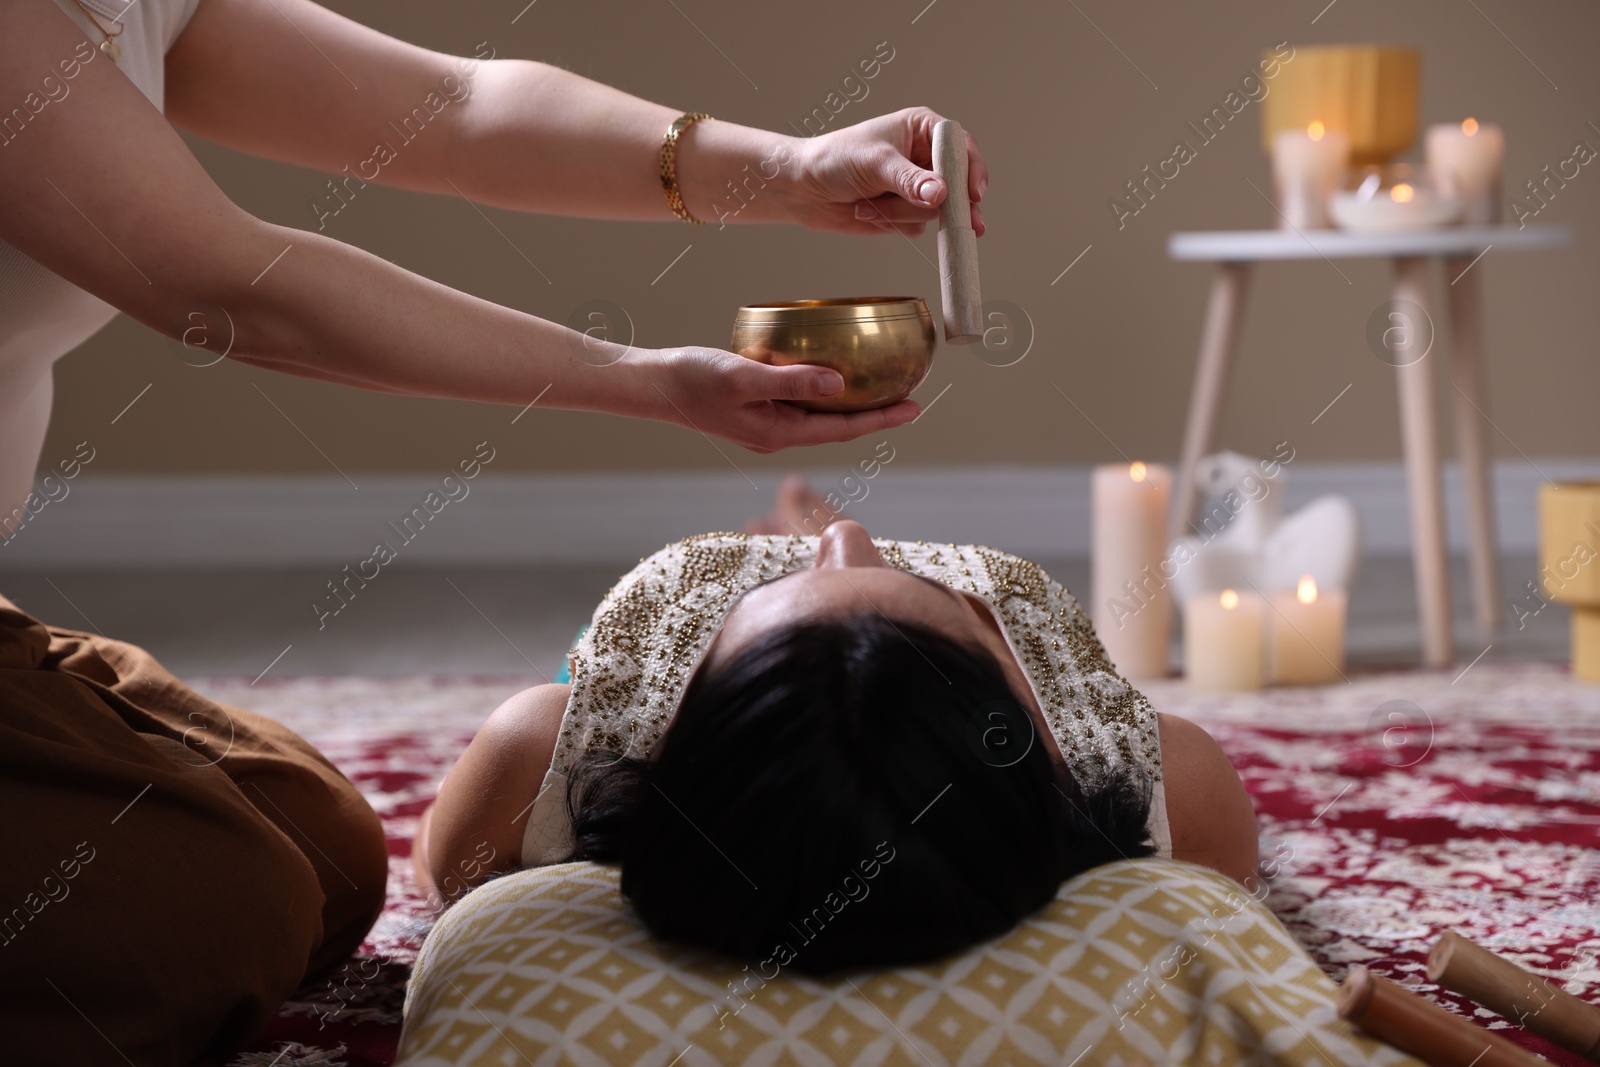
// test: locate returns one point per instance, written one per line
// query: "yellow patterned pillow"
(1149, 961)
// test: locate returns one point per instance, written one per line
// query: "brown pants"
(170, 868)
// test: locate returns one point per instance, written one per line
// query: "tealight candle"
(1307, 634)
(1401, 203)
(1129, 600)
(1464, 162)
(1307, 166)
(1223, 641)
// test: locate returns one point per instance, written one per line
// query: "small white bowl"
(1380, 214)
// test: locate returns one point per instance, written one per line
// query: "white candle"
(1130, 602)
(1224, 641)
(1307, 636)
(1307, 167)
(1464, 162)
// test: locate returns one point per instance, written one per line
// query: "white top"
(1239, 246)
(650, 633)
(42, 315)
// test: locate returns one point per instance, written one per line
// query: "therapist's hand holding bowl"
(100, 189)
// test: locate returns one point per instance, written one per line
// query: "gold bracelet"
(669, 164)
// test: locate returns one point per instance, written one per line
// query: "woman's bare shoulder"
(536, 704)
(1213, 821)
(475, 829)
(521, 732)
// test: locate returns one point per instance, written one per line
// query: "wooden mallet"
(958, 242)
(1521, 996)
(1417, 1025)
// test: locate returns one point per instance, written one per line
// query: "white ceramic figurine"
(1244, 540)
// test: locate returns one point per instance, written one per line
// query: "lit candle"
(1307, 636)
(1404, 205)
(1464, 163)
(1307, 167)
(1224, 641)
(1130, 602)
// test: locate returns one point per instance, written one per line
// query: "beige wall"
(1064, 120)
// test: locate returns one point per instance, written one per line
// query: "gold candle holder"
(1366, 92)
(1569, 564)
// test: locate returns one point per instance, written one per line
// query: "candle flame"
(1137, 471)
(1469, 127)
(1315, 131)
(1229, 599)
(1402, 193)
(1306, 592)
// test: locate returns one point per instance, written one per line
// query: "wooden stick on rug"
(1468, 968)
(1416, 1025)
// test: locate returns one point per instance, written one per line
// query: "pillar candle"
(1464, 162)
(1307, 634)
(1224, 641)
(1130, 602)
(1307, 167)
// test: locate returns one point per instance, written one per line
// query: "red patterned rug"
(1393, 808)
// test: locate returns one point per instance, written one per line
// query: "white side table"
(1235, 252)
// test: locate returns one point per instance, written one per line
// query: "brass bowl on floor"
(882, 345)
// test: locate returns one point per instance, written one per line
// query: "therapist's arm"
(293, 81)
(98, 187)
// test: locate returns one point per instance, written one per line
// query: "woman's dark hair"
(850, 793)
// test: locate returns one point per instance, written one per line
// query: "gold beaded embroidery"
(652, 630)
(893, 556)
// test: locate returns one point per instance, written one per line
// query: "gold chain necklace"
(109, 46)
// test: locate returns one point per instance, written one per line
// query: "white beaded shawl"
(630, 670)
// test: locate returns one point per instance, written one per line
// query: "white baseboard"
(1041, 512)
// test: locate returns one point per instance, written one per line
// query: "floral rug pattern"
(1392, 808)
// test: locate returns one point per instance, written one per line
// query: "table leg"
(1429, 557)
(1219, 337)
(1471, 412)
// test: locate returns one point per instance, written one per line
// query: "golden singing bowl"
(882, 345)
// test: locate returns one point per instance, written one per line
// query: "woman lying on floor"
(758, 723)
